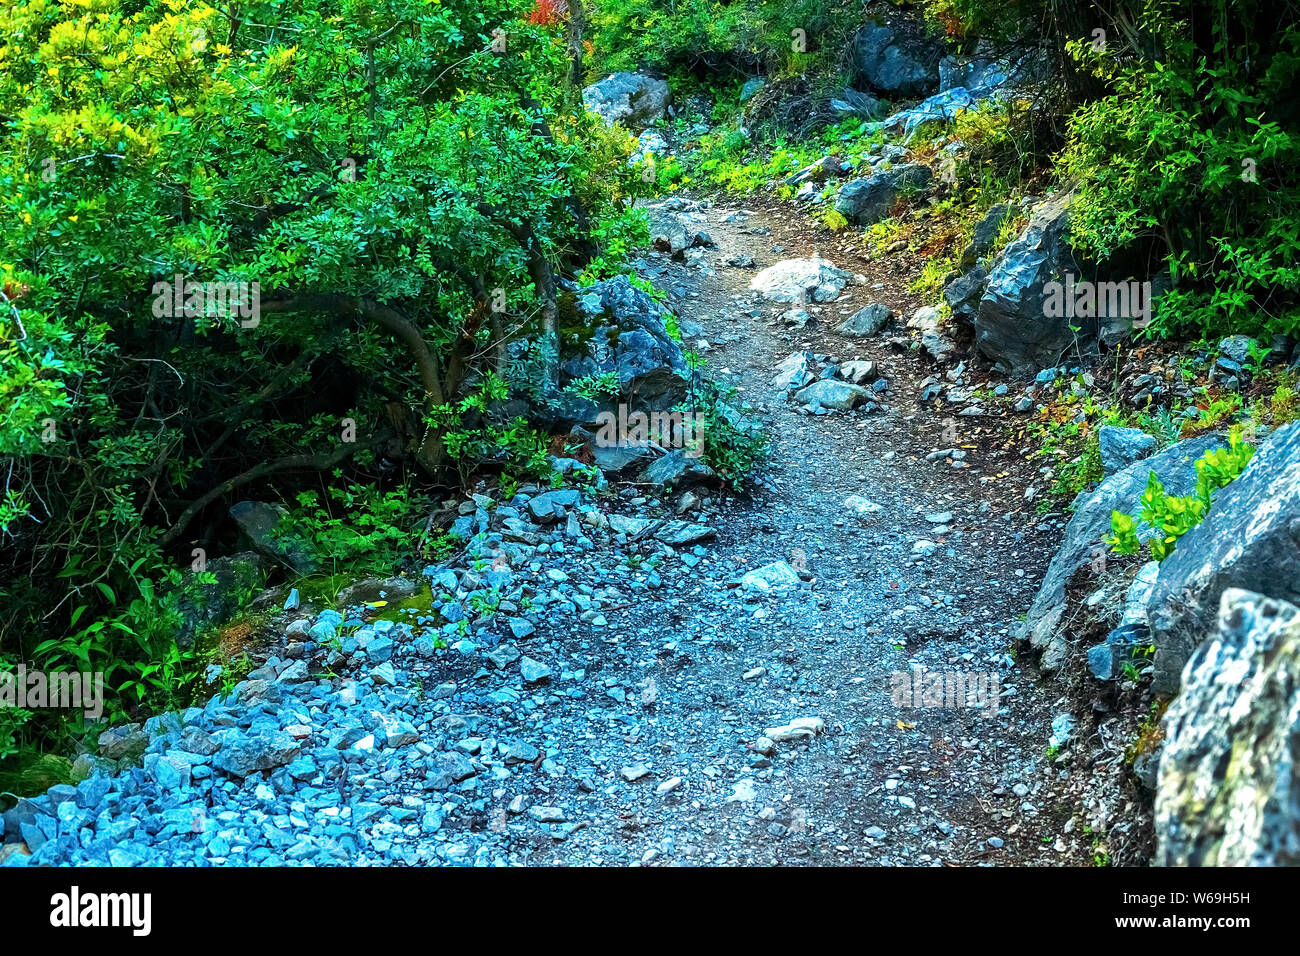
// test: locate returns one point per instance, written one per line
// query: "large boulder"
(832, 394)
(633, 99)
(1249, 539)
(623, 330)
(269, 532)
(1228, 790)
(898, 60)
(868, 320)
(801, 280)
(1081, 543)
(234, 578)
(940, 108)
(1013, 328)
(869, 200)
(1120, 447)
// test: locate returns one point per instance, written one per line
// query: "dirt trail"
(883, 785)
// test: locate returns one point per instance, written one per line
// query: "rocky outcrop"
(633, 99)
(1013, 327)
(1228, 791)
(1081, 542)
(266, 528)
(869, 200)
(629, 337)
(1120, 447)
(898, 60)
(1249, 539)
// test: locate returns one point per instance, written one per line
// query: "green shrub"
(702, 37)
(1172, 516)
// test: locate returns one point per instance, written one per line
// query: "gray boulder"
(371, 590)
(868, 320)
(633, 99)
(612, 459)
(628, 336)
(866, 201)
(1120, 447)
(552, 506)
(1012, 327)
(126, 742)
(242, 754)
(901, 62)
(1228, 790)
(1250, 539)
(855, 103)
(1081, 544)
(1236, 348)
(801, 280)
(266, 528)
(986, 231)
(677, 466)
(963, 295)
(833, 394)
(858, 371)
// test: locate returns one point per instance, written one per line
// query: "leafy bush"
(729, 444)
(1182, 137)
(1172, 516)
(396, 191)
(713, 37)
(357, 527)
(1193, 154)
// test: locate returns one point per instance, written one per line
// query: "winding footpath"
(673, 767)
(630, 697)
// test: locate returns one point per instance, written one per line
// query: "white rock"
(777, 576)
(668, 786)
(799, 727)
(743, 792)
(801, 280)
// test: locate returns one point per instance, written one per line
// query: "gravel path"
(617, 692)
(663, 758)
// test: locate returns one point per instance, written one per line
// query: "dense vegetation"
(403, 182)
